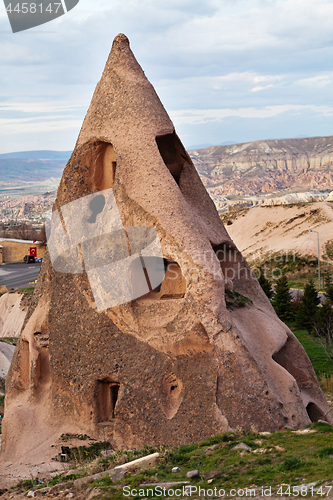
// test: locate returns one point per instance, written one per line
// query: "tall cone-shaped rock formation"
(147, 323)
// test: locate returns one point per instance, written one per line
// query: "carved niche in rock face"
(156, 328)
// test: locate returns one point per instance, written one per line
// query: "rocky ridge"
(270, 172)
(33, 207)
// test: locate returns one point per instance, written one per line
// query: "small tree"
(328, 286)
(265, 284)
(306, 314)
(323, 328)
(327, 279)
(282, 300)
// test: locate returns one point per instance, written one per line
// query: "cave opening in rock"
(43, 368)
(231, 261)
(173, 153)
(314, 413)
(102, 161)
(173, 285)
(107, 396)
(171, 394)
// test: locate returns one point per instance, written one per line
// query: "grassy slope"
(320, 362)
(281, 458)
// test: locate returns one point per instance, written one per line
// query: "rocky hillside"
(32, 207)
(262, 233)
(267, 172)
(271, 172)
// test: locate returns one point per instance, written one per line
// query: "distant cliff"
(272, 172)
(267, 172)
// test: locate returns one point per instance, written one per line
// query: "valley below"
(260, 173)
(271, 172)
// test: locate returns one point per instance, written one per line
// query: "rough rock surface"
(12, 314)
(175, 365)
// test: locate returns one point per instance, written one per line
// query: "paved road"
(18, 274)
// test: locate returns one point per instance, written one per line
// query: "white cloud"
(196, 116)
(318, 81)
(38, 107)
(257, 89)
(46, 124)
(208, 60)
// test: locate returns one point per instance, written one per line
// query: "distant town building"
(12, 250)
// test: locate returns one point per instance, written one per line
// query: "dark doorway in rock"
(173, 154)
(43, 369)
(231, 261)
(314, 413)
(107, 396)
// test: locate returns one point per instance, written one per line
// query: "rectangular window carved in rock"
(107, 395)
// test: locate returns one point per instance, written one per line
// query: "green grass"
(235, 299)
(320, 361)
(26, 291)
(329, 249)
(299, 284)
(69, 437)
(86, 453)
(9, 340)
(298, 268)
(288, 458)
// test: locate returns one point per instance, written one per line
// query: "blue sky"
(225, 70)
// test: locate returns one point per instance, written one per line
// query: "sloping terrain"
(6, 355)
(263, 230)
(32, 165)
(13, 311)
(27, 173)
(267, 172)
(27, 207)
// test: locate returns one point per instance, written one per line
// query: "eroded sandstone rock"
(174, 364)
(13, 311)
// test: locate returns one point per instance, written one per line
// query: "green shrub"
(328, 450)
(291, 463)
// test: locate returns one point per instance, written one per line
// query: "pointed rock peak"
(125, 109)
(122, 58)
(120, 40)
